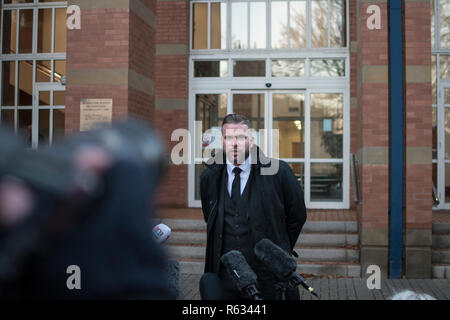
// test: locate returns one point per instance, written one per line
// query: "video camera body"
(66, 196)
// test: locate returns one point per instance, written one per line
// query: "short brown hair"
(235, 118)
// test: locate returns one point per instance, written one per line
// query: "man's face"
(237, 141)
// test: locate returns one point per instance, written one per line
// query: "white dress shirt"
(245, 173)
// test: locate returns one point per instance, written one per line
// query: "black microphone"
(281, 264)
(211, 287)
(238, 268)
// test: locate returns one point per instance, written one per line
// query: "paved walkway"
(343, 288)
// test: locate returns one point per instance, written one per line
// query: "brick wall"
(418, 119)
(171, 91)
(372, 136)
(96, 47)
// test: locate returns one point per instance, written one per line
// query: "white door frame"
(441, 161)
(268, 114)
(37, 88)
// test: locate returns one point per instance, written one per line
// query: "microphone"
(161, 233)
(238, 268)
(211, 287)
(281, 264)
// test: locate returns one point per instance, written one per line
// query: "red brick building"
(315, 70)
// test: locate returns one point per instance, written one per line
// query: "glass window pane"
(326, 182)
(326, 125)
(198, 172)
(435, 175)
(60, 30)
(299, 172)
(279, 24)
(337, 23)
(327, 68)
(210, 110)
(25, 83)
(239, 25)
(60, 70)
(447, 182)
(252, 107)
(447, 133)
(59, 98)
(7, 118)
(288, 68)
(25, 122)
(44, 42)
(18, 1)
(298, 24)
(257, 25)
(434, 148)
(26, 31)
(59, 120)
(289, 119)
(200, 26)
(444, 20)
(44, 127)
(44, 98)
(433, 79)
(9, 31)
(211, 68)
(319, 34)
(8, 83)
(218, 25)
(247, 68)
(447, 96)
(43, 70)
(444, 67)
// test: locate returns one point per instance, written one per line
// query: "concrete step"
(440, 271)
(441, 241)
(440, 256)
(305, 239)
(441, 227)
(305, 253)
(309, 227)
(325, 268)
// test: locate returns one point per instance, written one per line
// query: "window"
(440, 108)
(33, 65)
(284, 64)
(273, 24)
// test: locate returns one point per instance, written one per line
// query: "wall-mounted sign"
(94, 112)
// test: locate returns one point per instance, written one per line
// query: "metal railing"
(436, 200)
(355, 181)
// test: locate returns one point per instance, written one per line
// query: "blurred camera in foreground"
(85, 202)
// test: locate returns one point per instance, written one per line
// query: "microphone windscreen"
(238, 268)
(161, 233)
(278, 261)
(211, 287)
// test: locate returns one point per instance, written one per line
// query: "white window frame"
(437, 51)
(33, 57)
(305, 84)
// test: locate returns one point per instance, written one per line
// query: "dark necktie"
(236, 187)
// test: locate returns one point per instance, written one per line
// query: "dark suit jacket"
(276, 208)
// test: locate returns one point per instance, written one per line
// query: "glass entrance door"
(48, 118)
(441, 163)
(308, 129)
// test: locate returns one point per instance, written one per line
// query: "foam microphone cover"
(274, 258)
(235, 261)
